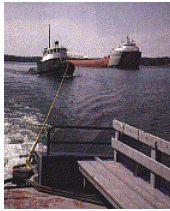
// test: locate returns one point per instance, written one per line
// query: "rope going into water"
(27, 162)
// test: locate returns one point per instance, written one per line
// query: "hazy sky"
(90, 28)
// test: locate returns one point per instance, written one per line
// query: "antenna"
(49, 35)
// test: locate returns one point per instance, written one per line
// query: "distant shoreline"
(14, 58)
(161, 61)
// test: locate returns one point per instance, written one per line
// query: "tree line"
(155, 61)
(21, 58)
(143, 61)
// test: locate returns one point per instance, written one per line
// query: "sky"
(90, 28)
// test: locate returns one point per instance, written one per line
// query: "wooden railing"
(156, 145)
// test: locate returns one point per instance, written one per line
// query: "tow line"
(24, 170)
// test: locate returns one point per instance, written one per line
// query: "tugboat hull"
(54, 67)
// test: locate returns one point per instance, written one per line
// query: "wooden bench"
(156, 145)
(118, 184)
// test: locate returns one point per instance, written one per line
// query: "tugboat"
(125, 57)
(54, 62)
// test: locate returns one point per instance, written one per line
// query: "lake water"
(93, 97)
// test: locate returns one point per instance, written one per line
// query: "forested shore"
(144, 61)
(21, 58)
(155, 61)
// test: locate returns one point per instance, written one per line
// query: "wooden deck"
(120, 186)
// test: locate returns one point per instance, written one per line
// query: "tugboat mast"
(49, 35)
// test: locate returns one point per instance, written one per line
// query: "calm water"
(92, 97)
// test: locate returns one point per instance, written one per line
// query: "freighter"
(125, 57)
(54, 62)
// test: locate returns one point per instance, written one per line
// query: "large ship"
(54, 62)
(125, 57)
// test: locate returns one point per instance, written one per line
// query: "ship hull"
(54, 67)
(99, 63)
(121, 60)
(125, 60)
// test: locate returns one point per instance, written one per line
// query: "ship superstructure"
(126, 56)
(54, 53)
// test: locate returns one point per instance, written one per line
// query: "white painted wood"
(121, 187)
(152, 175)
(147, 139)
(120, 170)
(144, 189)
(117, 125)
(144, 137)
(144, 160)
(116, 135)
(115, 151)
(111, 187)
(154, 142)
(163, 146)
(125, 128)
(130, 131)
(113, 180)
(116, 202)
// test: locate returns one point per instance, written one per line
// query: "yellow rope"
(27, 162)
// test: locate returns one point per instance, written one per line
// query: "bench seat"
(121, 187)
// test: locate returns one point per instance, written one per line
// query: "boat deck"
(29, 198)
(130, 178)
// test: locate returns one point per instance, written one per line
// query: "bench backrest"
(152, 141)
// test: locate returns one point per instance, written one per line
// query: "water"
(92, 97)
